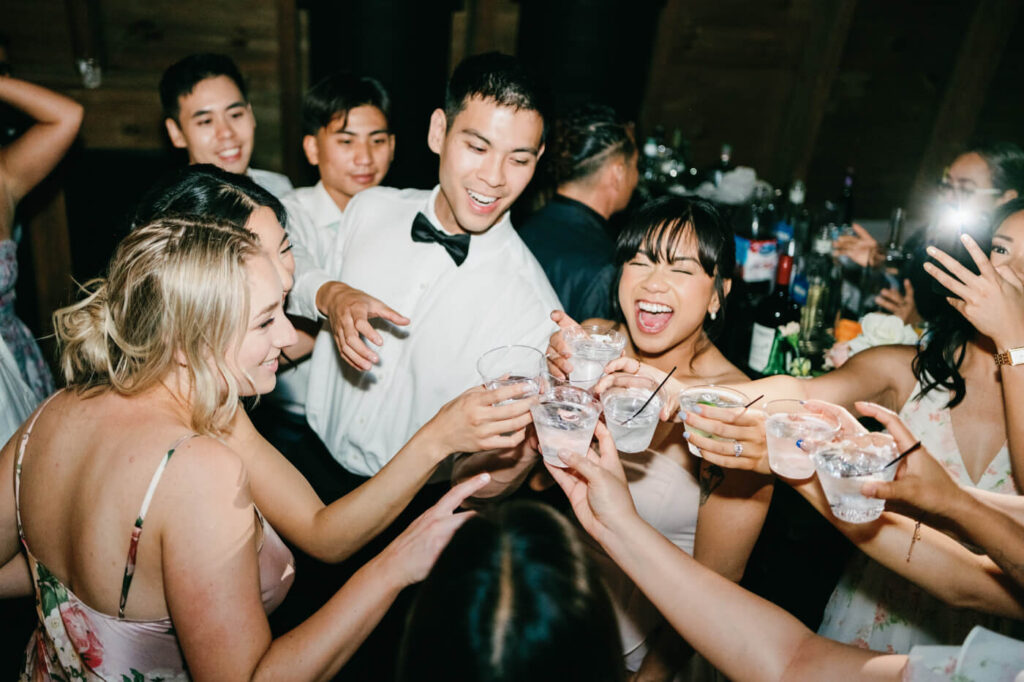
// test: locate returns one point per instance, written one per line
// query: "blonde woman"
(149, 536)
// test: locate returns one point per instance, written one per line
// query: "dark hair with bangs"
(941, 350)
(510, 595)
(657, 228)
(499, 78)
(337, 94)
(206, 190)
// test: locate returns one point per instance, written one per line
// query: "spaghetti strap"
(133, 544)
(17, 464)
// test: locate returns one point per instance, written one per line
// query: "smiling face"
(267, 330)
(215, 124)
(488, 155)
(664, 300)
(1008, 244)
(274, 244)
(352, 152)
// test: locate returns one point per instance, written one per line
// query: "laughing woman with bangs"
(674, 260)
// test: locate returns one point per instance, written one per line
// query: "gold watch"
(1010, 356)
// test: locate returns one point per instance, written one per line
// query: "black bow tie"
(457, 245)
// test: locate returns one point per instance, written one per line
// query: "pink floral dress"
(876, 609)
(76, 642)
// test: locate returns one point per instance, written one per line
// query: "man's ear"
(438, 129)
(540, 151)
(391, 147)
(309, 147)
(174, 132)
(251, 113)
(1008, 195)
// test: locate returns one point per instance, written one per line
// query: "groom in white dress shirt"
(448, 259)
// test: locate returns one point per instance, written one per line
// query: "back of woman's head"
(176, 295)
(209, 191)
(584, 140)
(660, 227)
(513, 598)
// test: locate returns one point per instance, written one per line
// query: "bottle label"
(756, 259)
(798, 292)
(760, 347)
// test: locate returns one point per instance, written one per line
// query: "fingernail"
(696, 408)
(803, 402)
(686, 435)
(485, 477)
(964, 238)
(931, 251)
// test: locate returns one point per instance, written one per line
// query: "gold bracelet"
(914, 538)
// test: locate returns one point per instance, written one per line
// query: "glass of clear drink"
(565, 418)
(845, 465)
(788, 426)
(507, 365)
(621, 397)
(592, 346)
(710, 394)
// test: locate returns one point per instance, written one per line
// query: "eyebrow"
(1002, 236)
(683, 259)
(266, 310)
(208, 110)
(520, 150)
(346, 131)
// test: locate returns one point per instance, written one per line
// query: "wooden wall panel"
(140, 40)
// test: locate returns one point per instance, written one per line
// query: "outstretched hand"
(900, 304)
(558, 352)
(860, 247)
(476, 420)
(596, 487)
(992, 300)
(921, 482)
(413, 553)
(349, 312)
(741, 442)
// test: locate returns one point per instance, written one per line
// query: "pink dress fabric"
(76, 642)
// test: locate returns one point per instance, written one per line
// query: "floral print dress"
(876, 609)
(76, 642)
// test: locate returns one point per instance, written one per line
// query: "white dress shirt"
(275, 183)
(313, 220)
(499, 295)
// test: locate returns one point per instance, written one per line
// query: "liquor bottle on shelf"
(819, 311)
(756, 260)
(845, 202)
(774, 310)
(793, 222)
(895, 256)
(724, 165)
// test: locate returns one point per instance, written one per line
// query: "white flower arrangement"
(877, 329)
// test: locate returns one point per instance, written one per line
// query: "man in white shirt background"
(448, 259)
(347, 137)
(207, 113)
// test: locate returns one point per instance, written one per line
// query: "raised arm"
(331, 533)
(744, 636)
(992, 301)
(212, 582)
(26, 161)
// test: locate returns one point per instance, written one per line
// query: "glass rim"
(511, 346)
(716, 387)
(551, 390)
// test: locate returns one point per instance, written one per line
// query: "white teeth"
(230, 152)
(653, 307)
(480, 198)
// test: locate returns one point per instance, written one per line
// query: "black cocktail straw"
(648, 401)
(906, 452)
(753, 401)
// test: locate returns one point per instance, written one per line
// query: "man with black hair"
(346, 135)
(593, 165)
(448, 258)
(207, 113)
